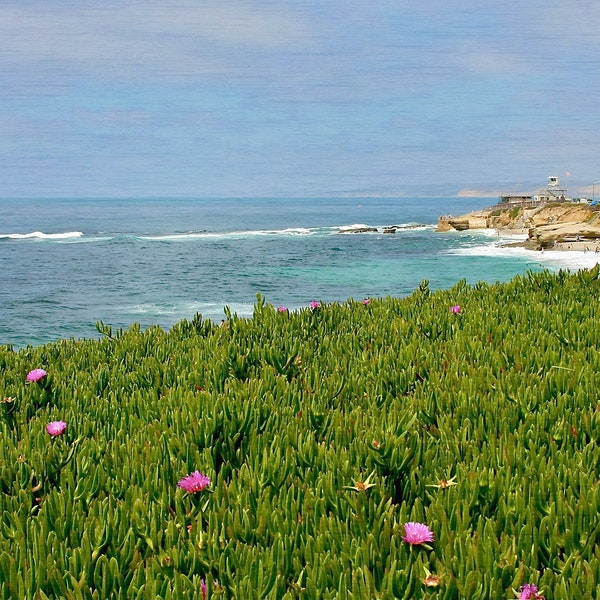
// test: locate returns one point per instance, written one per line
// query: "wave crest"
(40, 235)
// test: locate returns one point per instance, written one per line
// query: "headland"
(550, 221)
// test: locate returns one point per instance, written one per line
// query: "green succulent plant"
(319, 434)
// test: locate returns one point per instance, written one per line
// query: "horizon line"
(248, 197)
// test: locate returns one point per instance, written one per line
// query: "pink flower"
(36, 375)
(529, 591)
(56, 428)
(367, 301)
(417, 533)
(281, 309)
(314, 304)
(455, 309)
(194, 482)
(204, 587)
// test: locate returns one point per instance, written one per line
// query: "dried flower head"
(431, 580)
(444, 484)
(36, 375)
(417, 533)
(56, 428)
(361, 486)
(194, 482)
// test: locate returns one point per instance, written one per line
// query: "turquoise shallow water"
(66, 264)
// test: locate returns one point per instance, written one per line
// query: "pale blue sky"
(293, 98)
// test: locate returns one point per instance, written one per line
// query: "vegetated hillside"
(472, 411)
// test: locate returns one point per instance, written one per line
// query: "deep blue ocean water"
(66, 264)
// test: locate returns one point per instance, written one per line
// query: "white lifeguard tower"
(552, 193)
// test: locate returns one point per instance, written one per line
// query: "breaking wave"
(39, 235)
(190, 236)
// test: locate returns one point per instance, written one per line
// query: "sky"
(229, 98)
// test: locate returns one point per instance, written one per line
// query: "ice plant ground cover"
(324, 433)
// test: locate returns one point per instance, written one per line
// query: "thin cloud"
(570, 22)
(183, 38)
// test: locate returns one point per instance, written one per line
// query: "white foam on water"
(189, 309)
(198, 235)
(345, 228)
(39, 235)
(357, 227)
(557, 259)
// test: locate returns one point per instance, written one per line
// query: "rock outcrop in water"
(358, 229)
(564, 225)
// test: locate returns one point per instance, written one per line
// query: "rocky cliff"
(547, 226)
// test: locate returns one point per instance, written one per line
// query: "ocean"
(67, 263)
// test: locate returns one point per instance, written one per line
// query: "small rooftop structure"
(516, 199)
(553, 181)
(551, 193)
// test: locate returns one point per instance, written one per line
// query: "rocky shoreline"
(556, 226)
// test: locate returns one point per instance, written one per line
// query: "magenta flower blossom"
(281, 309)
(56, 428)
(455, 309)
(367, 301)
(417, 533)
(36, 375)
(204, 587)
(194, 482)
(529, 591)
(314, 304)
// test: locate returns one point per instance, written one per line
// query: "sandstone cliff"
(548, 226)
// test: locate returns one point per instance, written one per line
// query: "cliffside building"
(551, 193)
